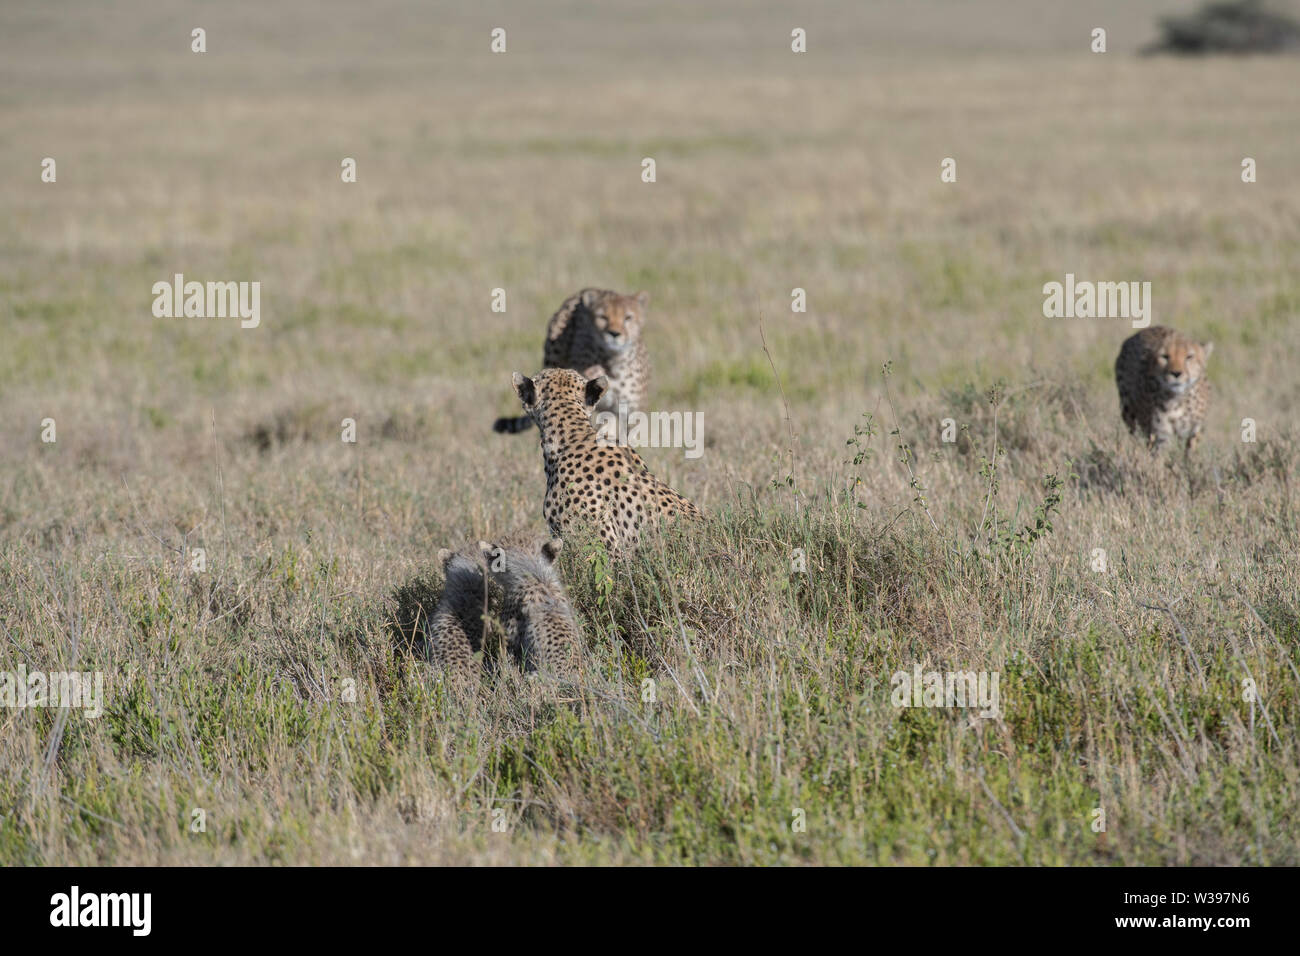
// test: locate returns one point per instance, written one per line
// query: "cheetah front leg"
(1162, 431)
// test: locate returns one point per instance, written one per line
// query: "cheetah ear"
(1208, 347)
(551, 549)
(593, 371)
(589, 297)
(525, 389)
(595, 388)
(444, 555)
(489, 551)
(643, 297)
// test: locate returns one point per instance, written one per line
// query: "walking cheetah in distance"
(1163, 390)
(589, 481)
(598, 332)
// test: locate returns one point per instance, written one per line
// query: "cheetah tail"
(512, 426)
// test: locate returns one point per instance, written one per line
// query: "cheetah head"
(618, 318)
(515, 565)
(459, 571)
(558, 392)
(1179, 363)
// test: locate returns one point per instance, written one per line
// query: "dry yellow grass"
(522, 171)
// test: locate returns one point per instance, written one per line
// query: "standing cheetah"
(598, 332)
(541, 630)
(1162, 386)
(589, 481)
(454, 631)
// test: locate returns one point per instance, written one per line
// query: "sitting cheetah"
(598, 332)
(454, 631)
(587, 479)
(1162, 386)
(540, 627)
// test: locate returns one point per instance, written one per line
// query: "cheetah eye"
(630, 317)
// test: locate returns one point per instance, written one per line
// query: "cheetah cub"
(598, 332)
(454, 631)
(542, 632)
(1163, 390)
(588, 481)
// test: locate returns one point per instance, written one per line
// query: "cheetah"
(598, 332)
(542, 633)
(454, 631)
(1163, 390)
(588, 480)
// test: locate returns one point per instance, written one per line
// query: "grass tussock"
(736, 677)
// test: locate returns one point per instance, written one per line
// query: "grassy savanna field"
(224, 690)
